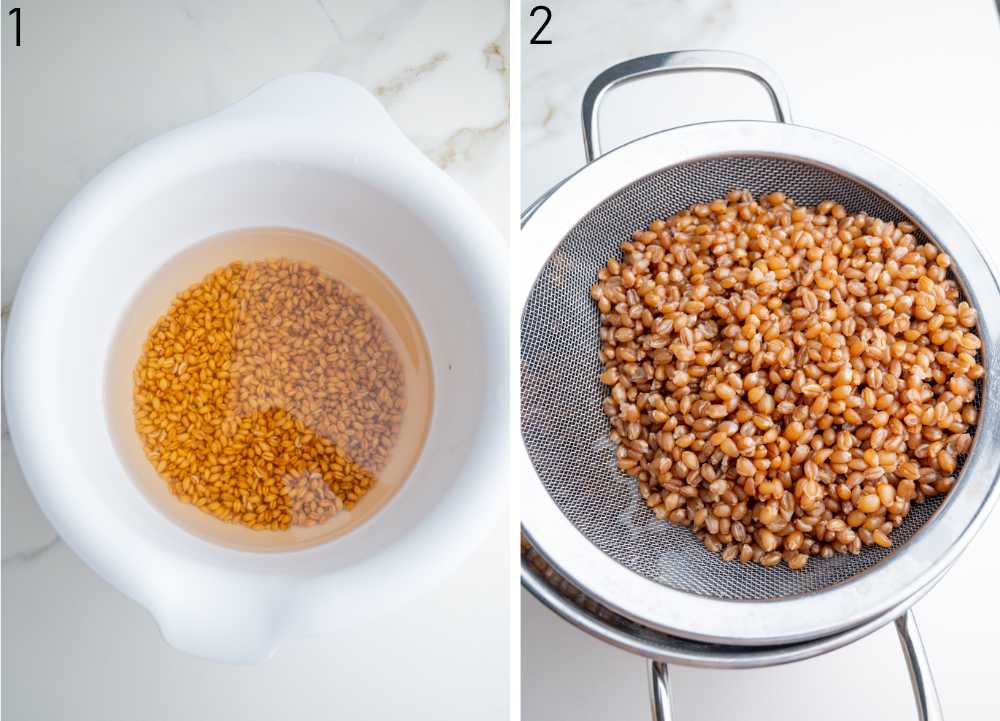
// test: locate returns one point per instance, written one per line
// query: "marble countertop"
(92, 80)
(908, 78)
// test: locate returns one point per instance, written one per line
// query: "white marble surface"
(92, 80)
(914, 79)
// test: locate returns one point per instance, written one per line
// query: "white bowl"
(313, 152)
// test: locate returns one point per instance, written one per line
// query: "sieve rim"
(871, 593)
(658, 646)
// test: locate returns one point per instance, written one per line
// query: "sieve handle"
(659, 690)
(679, 61)
(924, 692)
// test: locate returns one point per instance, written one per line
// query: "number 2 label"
(536, 38)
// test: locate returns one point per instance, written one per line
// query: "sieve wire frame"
(849, 603)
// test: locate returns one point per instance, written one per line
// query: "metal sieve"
(586, 519)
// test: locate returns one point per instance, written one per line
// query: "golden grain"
(268, 395)
(819, 367)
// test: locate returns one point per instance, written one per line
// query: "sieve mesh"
(566, 434)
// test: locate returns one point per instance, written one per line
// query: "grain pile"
(269, 395)
(786, 380)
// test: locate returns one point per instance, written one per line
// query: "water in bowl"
(269, 389)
